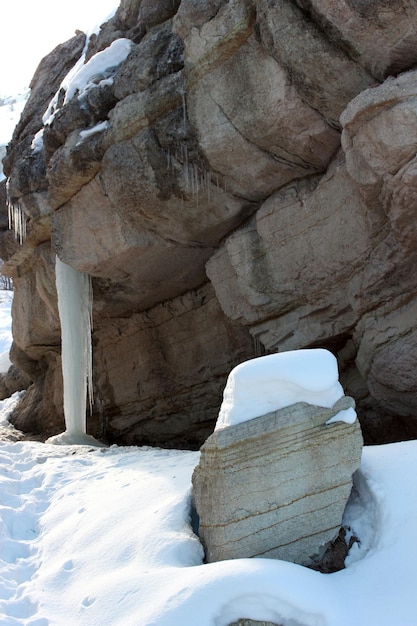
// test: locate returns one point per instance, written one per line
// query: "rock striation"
(242, 182)
(276, 486)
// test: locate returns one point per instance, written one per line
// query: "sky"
(29, 29)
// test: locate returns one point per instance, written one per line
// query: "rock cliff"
(243, 180)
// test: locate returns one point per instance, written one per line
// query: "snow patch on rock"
(275, 381)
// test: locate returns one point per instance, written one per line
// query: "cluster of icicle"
(17, 221)
(198, 181)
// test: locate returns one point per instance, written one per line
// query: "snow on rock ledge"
(276, 485)
(272, 382)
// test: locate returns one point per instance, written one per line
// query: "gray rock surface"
(260, 152)
(276, 486)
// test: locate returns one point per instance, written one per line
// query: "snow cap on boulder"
(275, 381)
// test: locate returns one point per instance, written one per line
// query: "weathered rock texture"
(247, 185)
(276, 486)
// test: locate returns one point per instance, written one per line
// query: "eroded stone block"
(276, 486)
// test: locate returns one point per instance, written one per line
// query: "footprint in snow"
(22, 501)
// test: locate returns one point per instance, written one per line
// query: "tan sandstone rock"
(306, 241)
(160, 374)
(253, 140)
(324, 75)
(213, 153)
(276, 486)
(381, 36)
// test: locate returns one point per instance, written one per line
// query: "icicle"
(258, 348)
(75, 305)
(184, 108)
(208, 185)
(16, 217)
(192, 182)
(196, 177)
(75, 301)
(17, 221)
(187, 176)
(87, 306)
(20, 218)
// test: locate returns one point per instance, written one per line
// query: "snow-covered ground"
(102, 537)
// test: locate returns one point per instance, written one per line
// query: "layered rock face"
(276, 486)
(241, 180)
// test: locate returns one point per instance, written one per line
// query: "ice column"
(75, 307)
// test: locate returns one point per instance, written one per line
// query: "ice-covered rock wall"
(240, 180)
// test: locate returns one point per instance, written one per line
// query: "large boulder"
(276, 486)
(247, 144)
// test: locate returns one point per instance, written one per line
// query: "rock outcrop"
(241, 181)
(276, 486)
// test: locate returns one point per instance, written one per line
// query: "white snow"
(98, 128)
(94, 536)
(82, 74)
(272, 382)
(347, 415)
(37, 141)
(81, 77)
(103, 537)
